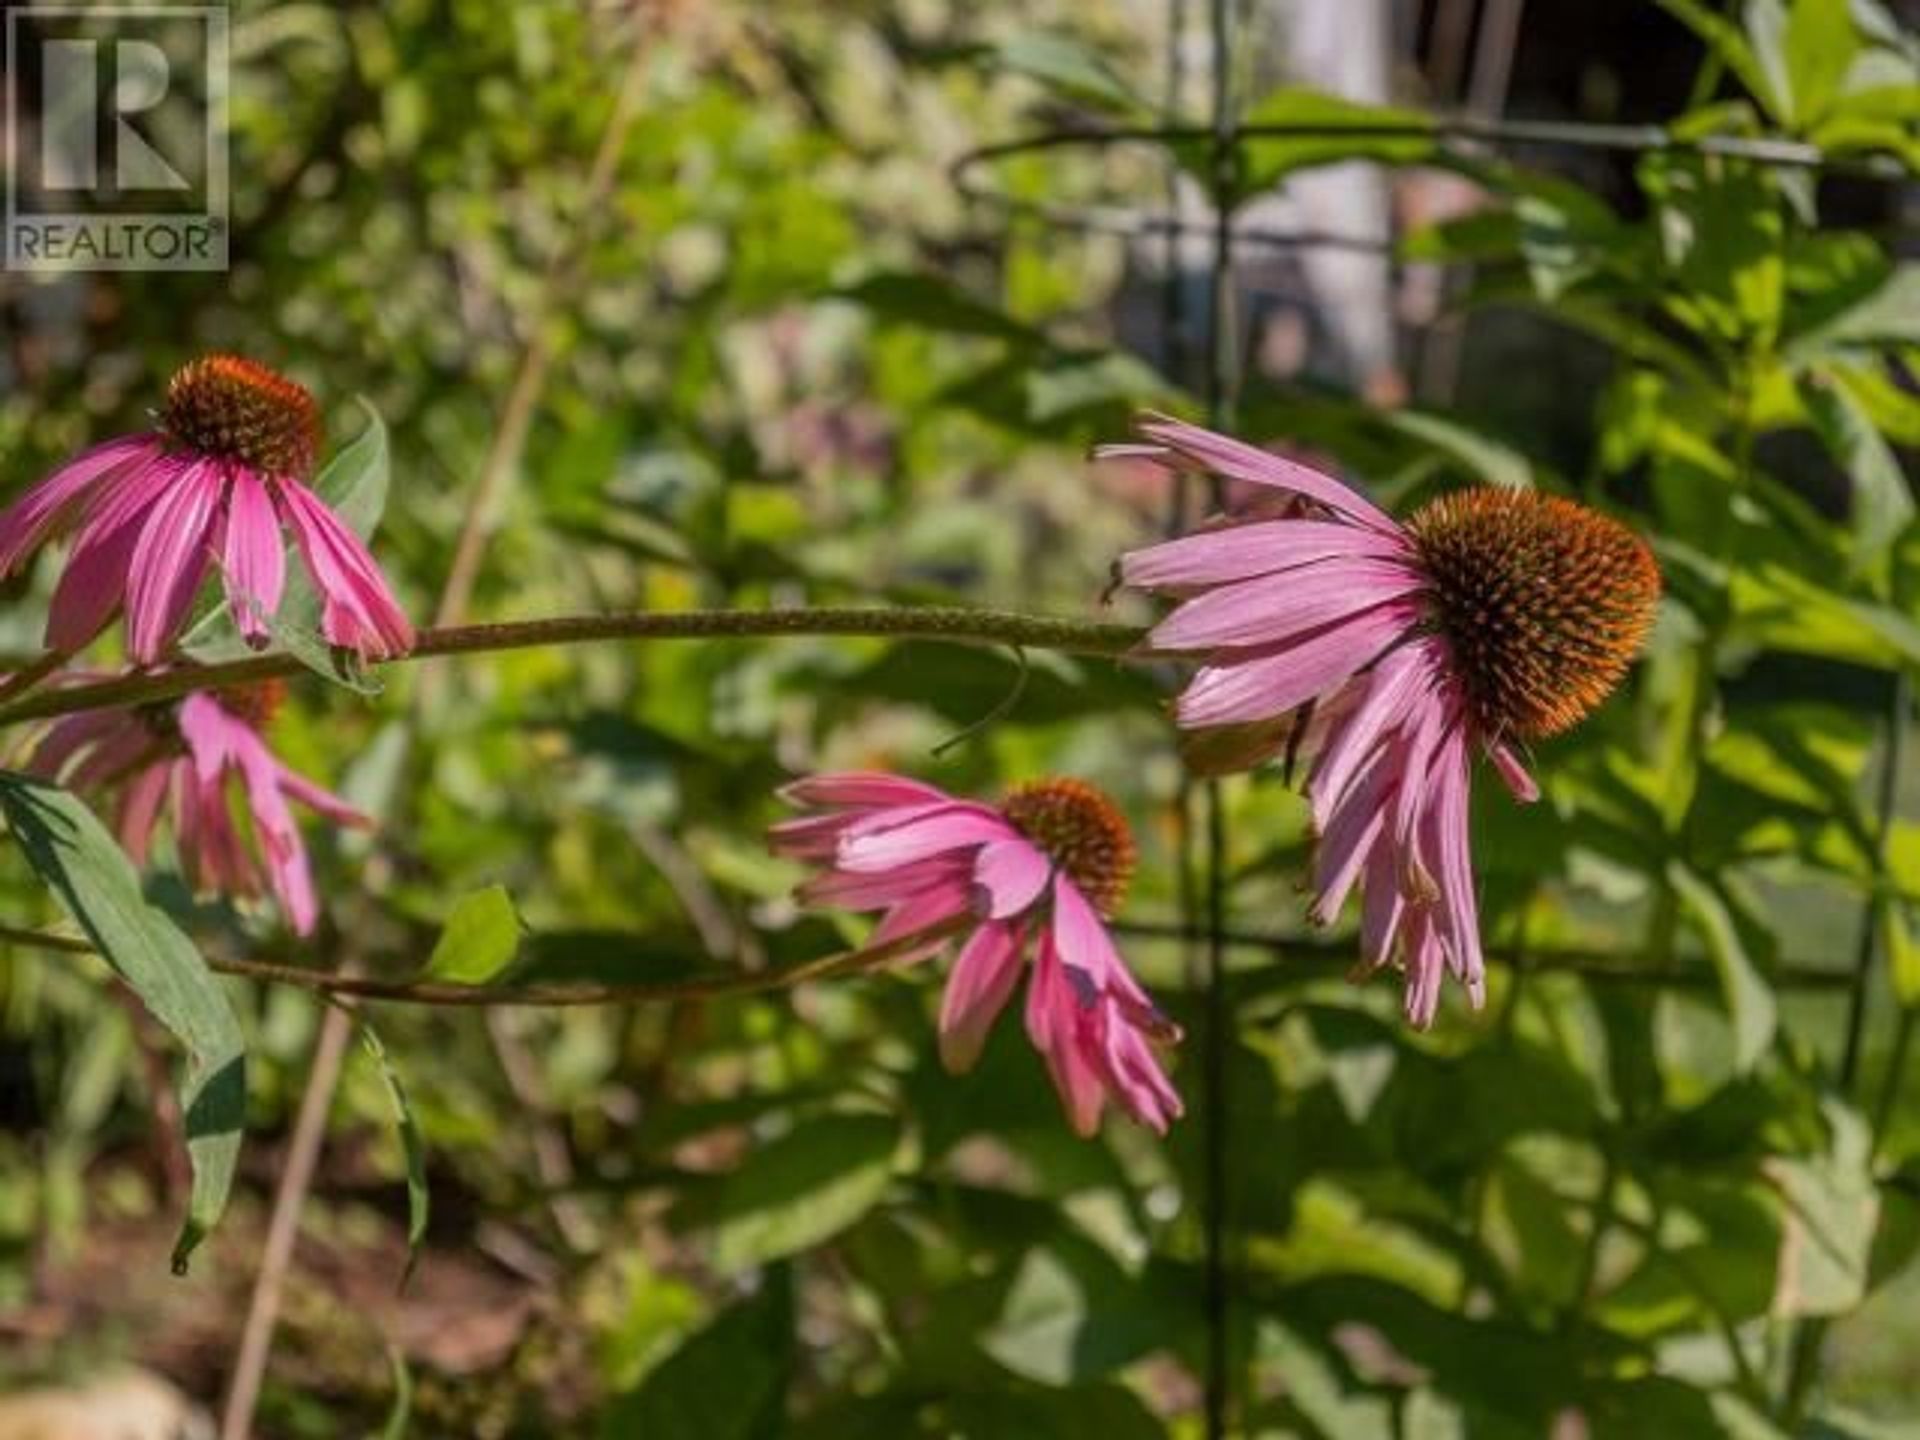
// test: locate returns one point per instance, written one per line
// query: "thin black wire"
(1497, 134)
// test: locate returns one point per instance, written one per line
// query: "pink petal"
(1278, 609)
(1011, 873)
(1350, 838)
(849, 890)
(71, 734)
(1266, 686)
(169, 561)
(140, 806)
(977, 991)
(863, 789)
(1241, 552)
(929, 908)
(1133, 1073)
(1238, 460)
(1054, 1023)
(1387, 694)
(323, 803)
(1449, 845)
(34, 517)
(948, 827)
(1381, 907)
(1507, 763)
(94, 582)
(254, 556)
(358, 610)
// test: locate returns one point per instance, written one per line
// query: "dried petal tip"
(228, 408)
(1081, 831)
(1543, 603)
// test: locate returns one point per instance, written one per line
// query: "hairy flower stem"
(953, 625)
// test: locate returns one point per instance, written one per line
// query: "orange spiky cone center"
(1543, 604)
(228, 408)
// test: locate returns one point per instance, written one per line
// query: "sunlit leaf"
(92, 878)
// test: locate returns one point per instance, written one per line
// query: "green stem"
(952, 625)
(442, 993)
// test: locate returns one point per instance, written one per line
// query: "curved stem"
(954, 625)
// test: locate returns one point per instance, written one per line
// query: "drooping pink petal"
(1054, 1021)
(1245, 551)
(1513, 772)
(1387, 694)
(982, 981)
(358, 610)
(931, 907)
(140, 804)
(1259, 688)
(1237, 460)
(1447, 842)
(54, 503)
(94, 582)
(1011, 873)
(1132, 1071)
(170, 559)
(68, 736)
(322, 802)
(253, 556)
(1349, 839)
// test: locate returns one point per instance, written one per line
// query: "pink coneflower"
(179, 763)
(213, 485)
(1037, 871)
(1392, 654)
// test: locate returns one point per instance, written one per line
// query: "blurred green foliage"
(782, 361)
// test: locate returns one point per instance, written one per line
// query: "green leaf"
(1334, 129)
(1484, 458)
(930, 302)
(411, 1145)
(93, 879)
(1903, 950)
(1727, 41)
(797, 1191)
(1069, 68)
(1882, 502)
(1820, 46)
(1071, 1314)
(1832, 1208)
(1750, 1000)
(481, 938)
(729, 1382)
(1887, 314)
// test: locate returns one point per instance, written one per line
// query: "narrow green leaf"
(1888, 314)
(400, 1415)
(1484, 457)
(481, 937)
(1069, 68)
(1727, 41)
(1750, 1000)
(412, 1147)
(93, 879)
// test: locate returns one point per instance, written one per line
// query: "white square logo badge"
(116, 137)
